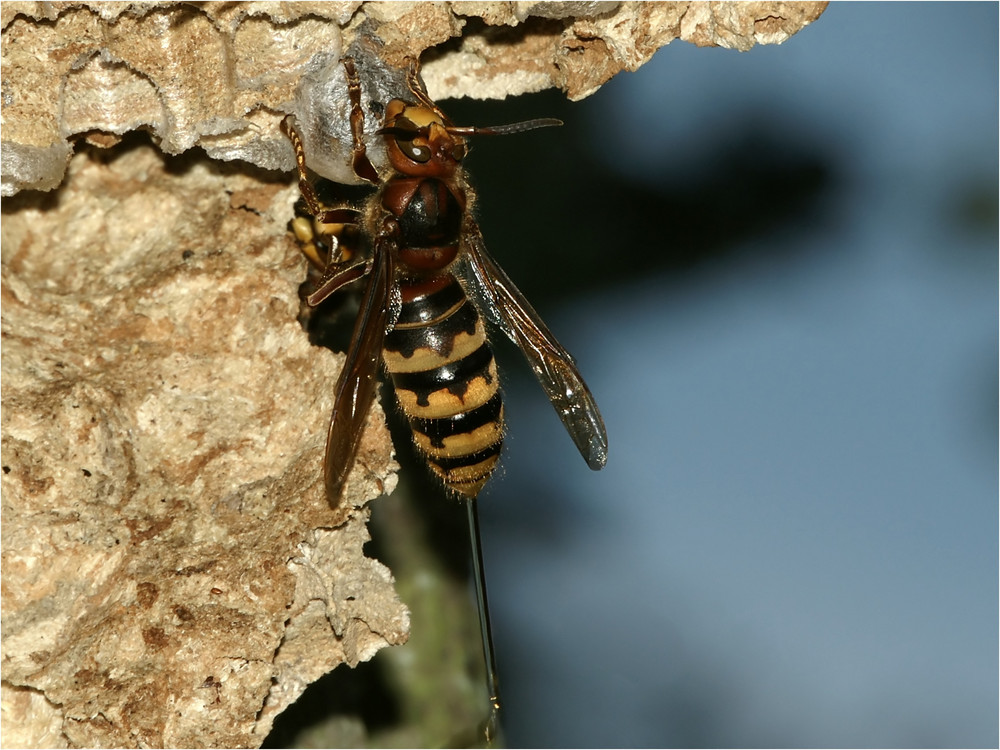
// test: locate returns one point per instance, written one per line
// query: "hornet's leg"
(360, 162)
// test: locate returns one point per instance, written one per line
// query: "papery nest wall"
(172, 574)
(222, 75)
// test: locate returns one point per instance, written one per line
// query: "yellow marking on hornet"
(464, 444)
(467, 480)
(303, 229)
(425, 358)
(443, 403)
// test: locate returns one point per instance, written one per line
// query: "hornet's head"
(422, 142)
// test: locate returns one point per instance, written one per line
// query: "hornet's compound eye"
(408, 137)
(418, 152)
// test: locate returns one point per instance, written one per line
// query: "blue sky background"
(794, 542)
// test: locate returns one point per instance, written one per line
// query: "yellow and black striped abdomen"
(445, 377)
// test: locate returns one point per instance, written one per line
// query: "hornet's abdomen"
(445, 377)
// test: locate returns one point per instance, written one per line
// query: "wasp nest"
(221, 76)
(172, 573)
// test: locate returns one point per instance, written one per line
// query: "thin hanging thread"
(492, 681)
